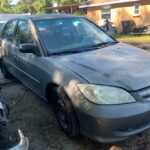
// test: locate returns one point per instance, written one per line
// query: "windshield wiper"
(98, 45)
(101, 44)
(80, 50)
(65, 52)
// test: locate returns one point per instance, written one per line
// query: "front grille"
(145, 93)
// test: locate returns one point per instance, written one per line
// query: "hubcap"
(62, 115)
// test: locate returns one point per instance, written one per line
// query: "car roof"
(46, 16)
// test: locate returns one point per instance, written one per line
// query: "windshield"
(69, 34)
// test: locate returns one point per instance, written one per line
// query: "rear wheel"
(5, 71)
(65, 112)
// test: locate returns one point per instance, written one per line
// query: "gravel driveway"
(35, 118)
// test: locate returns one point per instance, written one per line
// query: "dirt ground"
(35, 118)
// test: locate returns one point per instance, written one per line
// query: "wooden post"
(71, 9)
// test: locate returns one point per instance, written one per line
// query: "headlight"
(100, 94)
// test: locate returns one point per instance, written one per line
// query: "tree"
(37, 6)
(32, 6)
(65, 2)
(40, 4)
(5, 6)
(24, 6)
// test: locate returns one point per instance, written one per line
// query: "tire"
(5, 72)
(64, 112)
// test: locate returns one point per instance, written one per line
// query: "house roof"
(63, 7)
(107, 3)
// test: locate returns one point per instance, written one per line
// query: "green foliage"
(40, 4)
(5, 6)
(24, 6)
(127, 38)
(67, 1)
(32, 6)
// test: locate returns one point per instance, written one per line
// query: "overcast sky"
(14, 2)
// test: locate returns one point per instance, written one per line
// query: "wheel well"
(49, 90)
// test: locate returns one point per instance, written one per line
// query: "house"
(117, 11)
(58, 8)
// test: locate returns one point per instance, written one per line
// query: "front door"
(27, 63)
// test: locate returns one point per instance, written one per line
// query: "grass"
(137, 38)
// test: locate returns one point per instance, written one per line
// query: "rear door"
(8, 49)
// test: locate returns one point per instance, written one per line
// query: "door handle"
(16, 57)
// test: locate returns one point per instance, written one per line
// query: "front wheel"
(64, 112)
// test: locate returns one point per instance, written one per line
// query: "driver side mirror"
(29, 48)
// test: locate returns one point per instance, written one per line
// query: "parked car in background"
(5, 17)
(97, 86)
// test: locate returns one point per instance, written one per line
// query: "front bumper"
(110, 123)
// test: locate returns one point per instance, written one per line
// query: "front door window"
(24, 34)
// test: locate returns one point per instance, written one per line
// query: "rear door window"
(8, 31)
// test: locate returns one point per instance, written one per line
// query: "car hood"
(119, 65)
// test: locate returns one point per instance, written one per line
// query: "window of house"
(136, 9)
(106, 12)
